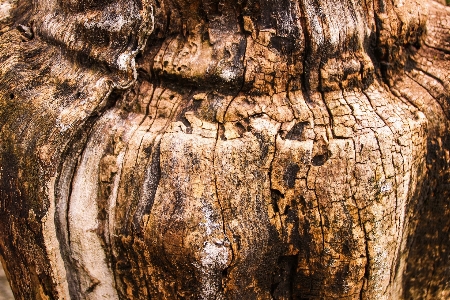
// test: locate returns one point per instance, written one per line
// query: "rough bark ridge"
(260, 149)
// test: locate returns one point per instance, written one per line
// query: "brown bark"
(202, 149)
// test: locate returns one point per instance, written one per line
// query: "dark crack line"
(441, 82)
(440, 49)
(271, 186)
(361, 224)
(445, 112)
(222, 211)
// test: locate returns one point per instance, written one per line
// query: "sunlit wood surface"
(5, 291)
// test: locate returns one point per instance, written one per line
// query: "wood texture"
(256, 149)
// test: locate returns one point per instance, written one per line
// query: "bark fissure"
(447, 114)
(222, 211)
(256, 149)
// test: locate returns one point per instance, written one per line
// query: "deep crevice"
(276, 195)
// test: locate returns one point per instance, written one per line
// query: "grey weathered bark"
(260, 149)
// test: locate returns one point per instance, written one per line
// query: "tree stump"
(201, 149)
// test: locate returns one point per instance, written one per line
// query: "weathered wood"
(5, 290)
(225, 149)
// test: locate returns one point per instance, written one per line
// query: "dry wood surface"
(200, 149)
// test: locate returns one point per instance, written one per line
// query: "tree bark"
(260, 149)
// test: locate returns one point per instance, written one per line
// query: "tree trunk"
(260, 149)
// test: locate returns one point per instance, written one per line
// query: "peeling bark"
(225, 149)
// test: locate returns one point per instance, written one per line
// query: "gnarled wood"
(224, 149)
